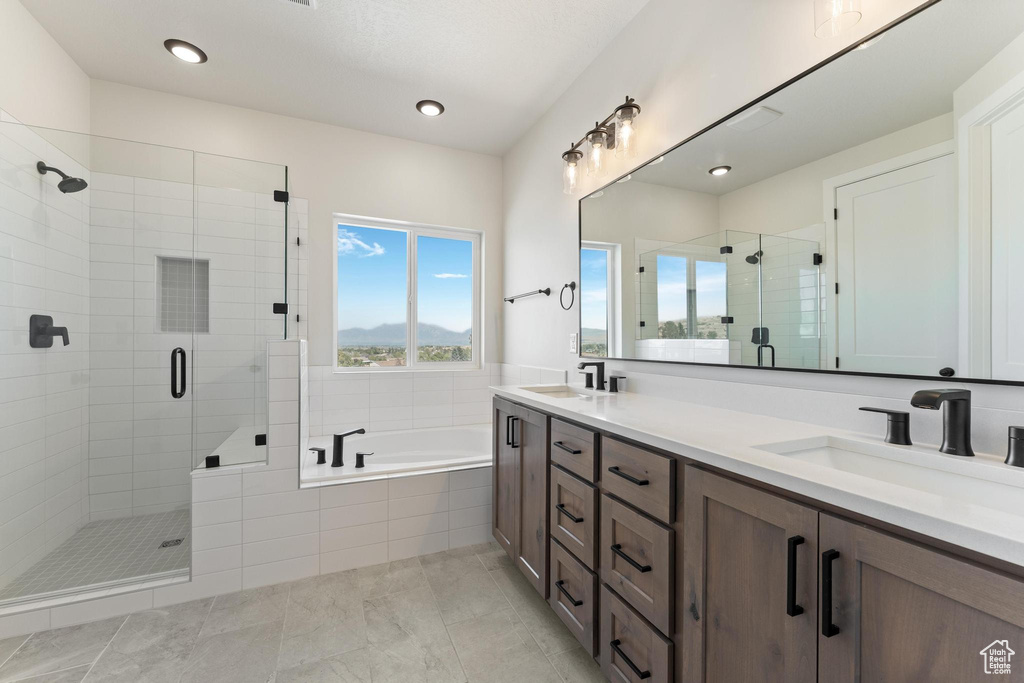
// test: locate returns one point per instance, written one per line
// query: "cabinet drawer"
(573, 448)
(641, 478)
(637, 558)
(631, 649)
(573, 595)
(574, 515)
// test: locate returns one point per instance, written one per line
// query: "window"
(408, 296)
(691, 298)
(599, 297)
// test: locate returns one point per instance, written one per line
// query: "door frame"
(974, 190)
(830, 188)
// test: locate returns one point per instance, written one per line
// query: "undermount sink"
(981, 480)
(555, 391)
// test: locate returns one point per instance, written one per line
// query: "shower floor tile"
(109, 550)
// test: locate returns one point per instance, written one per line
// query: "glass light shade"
(626, 133)
(833, 17)
(597, 152)
(571, 171)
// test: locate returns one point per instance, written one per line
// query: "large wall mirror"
(870, 219)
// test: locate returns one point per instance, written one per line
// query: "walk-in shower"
(139, 294)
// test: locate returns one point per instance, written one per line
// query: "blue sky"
(711, 287)
(372, 266)
(594, 288)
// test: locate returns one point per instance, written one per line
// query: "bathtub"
(399, 453)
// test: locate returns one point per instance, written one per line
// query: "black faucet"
(41, 332)
(956, 421)
(599, 368)
(338, 454)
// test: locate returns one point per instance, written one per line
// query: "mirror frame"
(727, 117)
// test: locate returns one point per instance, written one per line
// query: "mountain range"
(393, 334)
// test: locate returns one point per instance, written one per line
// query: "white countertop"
(728, 440)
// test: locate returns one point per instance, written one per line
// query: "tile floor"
(464, 615)
(108, 550)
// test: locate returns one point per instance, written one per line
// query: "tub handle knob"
(359, 459)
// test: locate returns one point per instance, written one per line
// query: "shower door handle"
(175, 391)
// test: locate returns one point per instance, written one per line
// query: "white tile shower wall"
(44, 402)
(387, 400)
(143, 439)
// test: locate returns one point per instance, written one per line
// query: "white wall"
(337, 170)
(39, 83)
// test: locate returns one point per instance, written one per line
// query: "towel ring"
(572, 291)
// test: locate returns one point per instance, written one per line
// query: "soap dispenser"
(1015, 448)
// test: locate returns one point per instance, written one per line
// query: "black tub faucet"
(599, 368)
(41, 332)
(956, 420)
(338, 454)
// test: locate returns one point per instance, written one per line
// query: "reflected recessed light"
(657, 161)
(868, 43)
(186, 52)
(720, 170)
(625, 179)
(430, 107)
(599, 193)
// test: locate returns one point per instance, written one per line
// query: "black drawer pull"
(561, 508)
(560, 585)
(792, 609)
(632, 480)
(567, 449)
(512, 433)
(642, 568)
(629, 662)
(508, 429)
(828, 629)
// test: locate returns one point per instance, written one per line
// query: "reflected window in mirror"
(600, 266)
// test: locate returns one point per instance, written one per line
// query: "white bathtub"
(419, 451)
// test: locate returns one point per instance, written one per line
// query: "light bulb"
(625, 130)
(833, 17)
(186, 52)
(596, 155)
(571, 171)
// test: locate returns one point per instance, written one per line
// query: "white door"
(896, 265)
(1008, 246)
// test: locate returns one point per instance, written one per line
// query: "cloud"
(448, 276)
(349, 243)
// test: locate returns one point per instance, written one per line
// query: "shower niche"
(164, 266)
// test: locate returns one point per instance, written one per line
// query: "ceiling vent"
(752, 119)
(311, 4)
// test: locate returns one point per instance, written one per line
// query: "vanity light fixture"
(617, 133)
(186, 52)
(720, 170)
(430, 107)
(834, 17)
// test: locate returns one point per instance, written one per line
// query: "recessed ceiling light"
(720, 170)
(430, 107)
(186, 52)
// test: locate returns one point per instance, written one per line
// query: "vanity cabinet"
(903, 612)
(520, 489)
(750, 583)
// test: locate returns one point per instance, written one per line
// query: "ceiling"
(907, 77)
(496, 65)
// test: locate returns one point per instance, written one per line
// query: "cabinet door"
(750, 584)
(901, 612)
(530, 439)
(504, 473)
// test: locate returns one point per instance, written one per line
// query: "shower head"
(755, 257)
(68, 184)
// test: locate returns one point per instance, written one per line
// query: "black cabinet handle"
(560, 585)
(561, 508)
(792, 609)
(629, 662)
(632, 480)
(508, 429)
(175, 391)
(567, 449)
(642, 568)
(828, 629)
(512, 433)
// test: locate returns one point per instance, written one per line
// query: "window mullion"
(412, 310)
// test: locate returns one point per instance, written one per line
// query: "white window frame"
(614, 297)
(412, 231)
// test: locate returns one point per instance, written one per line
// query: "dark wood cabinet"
(530, 440)
(503, 509)
(904, 613)
(520, 489)
(750, 578)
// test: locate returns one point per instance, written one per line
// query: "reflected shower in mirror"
(860, 219)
